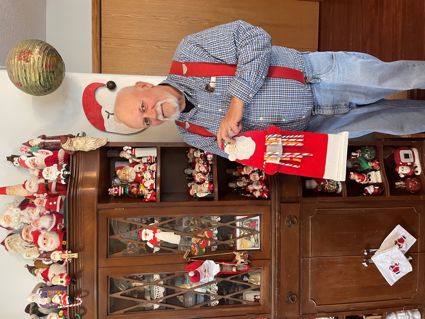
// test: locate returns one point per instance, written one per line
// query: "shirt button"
(261, 118)
(220, 110)
(251, 95)
(283, 119)
(303, 117)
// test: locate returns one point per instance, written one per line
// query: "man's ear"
(143, 85)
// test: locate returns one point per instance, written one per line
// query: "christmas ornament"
(35, 67)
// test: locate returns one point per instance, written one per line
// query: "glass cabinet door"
(165, 289)
(148, 236)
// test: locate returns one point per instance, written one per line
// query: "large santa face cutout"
(100, 117)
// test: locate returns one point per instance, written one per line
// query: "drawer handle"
(291, 220)
(291, 297)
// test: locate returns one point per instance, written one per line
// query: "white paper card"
(392, 264)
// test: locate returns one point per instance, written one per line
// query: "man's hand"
(231, 124)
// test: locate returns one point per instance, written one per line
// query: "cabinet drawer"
(333, 231)
(343, 283)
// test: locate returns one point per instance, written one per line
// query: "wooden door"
(165, 292)
(219, 230)
(333, 241)
(140, 36)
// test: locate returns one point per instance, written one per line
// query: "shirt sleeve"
(240, 43)
(207, 144)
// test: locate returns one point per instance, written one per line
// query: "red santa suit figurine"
(40, 159)
(203, 271)
(48, 240)
(153, 236)
(55, 274)
(51, 203)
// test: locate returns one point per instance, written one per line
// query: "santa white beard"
(48, 241)
(51, 173)
(46, 222)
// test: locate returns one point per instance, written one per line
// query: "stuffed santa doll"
(14, 243)
(50, 221)
(52, 143)
(153, 237)
(203, 271)
(297, 153)
(14, 218)
(48, 240)
(51, 203)
(55, 274)
(40, 159)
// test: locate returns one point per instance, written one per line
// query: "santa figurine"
(51, 203)
(204, 271)
(50, 221)
(48, 240)
(128, 174)
(53, 297)
(56, 172)
(53, 143)
(369, 178)
(14, 243)
(324, 185)
(55, 274)
(40, 159)
(411, 184)
(14, 218)
(153, 237)
(372, 190)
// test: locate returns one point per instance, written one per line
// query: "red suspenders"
(204, 69)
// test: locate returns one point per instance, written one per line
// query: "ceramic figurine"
(14, 243)
(14, 218)
(55, 274)
(369, 178)
(411, 184)
(372, 190)
(153, 237)
(324, 185)
(407, 161)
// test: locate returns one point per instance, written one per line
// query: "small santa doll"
(48, 240)
(56, 172)
(128, 174)
(46, 142)
(50, 221)
(51, 203)
(153, 237)
(55, 274)
(14, 218)
(14, 243)
(204, 271)
(40, 159)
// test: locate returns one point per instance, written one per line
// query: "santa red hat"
(193, 273)
(14, 190)
(98, 116)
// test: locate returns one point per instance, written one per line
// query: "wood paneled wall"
(140, 36)
(388, 29)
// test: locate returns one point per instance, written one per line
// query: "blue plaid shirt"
(268, 101)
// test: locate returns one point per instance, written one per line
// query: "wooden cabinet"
(311, 256)
(122, 276)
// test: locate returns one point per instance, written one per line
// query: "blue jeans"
(349, 88)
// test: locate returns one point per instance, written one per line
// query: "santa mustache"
(159, 108)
